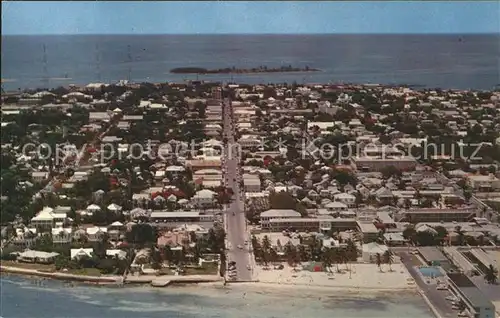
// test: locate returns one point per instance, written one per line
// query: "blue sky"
(249, 17)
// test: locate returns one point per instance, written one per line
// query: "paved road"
(234, 216)
(437, 297)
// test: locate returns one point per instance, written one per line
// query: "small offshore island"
(233, 70)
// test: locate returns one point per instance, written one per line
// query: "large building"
(322, 225)
(477, 302)
(436, 215)
(367, 163)
(484, 183)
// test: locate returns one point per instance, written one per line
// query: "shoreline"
(207, 281)
(100, 280)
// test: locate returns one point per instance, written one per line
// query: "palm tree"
(302, 253)
(290, 254)
(156, 260)
(491, 275)
(410, 234)
(461, 235)
(166, 253)
(352, 250)
(342, 257)
(336, 258)
(266, 250)
(326, 258)
(378, 261)
(257, 248)
(315, 248)
(388, 259)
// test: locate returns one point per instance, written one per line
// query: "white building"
(279, 214)
(47, 218)
(487, 183)
(203, 198)
(345, 198)
(371, 250)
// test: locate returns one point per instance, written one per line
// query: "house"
(394, 239)
(78, 253)
(198, 164)
(336, 207)
(99, 116)
(370, 251)
(251, 183)
(120, 254)
(203, 198)
(115, 229)
(47, 218)
(25, 237)
(345, 198)
(321, 126)
(93, 208)
(96, 233)
(384, 195)
(173, 238)
(39, 176)
(368, 231)
(61, 235)
(114, 208)
(249, 141)
(30, 256)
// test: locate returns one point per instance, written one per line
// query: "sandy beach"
(363, 277)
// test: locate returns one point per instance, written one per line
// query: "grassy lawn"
(40, 267)
(84, 271)
(50, 268)
(207, 269)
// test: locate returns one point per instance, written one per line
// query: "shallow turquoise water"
(430, 271)
(22, 298)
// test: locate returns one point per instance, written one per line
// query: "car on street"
(240, 246)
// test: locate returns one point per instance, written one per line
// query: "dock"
(163, 281)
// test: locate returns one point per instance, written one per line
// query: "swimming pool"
(430, 271)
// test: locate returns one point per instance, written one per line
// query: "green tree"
(410, 234)
(461, 235)
(141, 234)
(388, 259)
(378, 261)
(491, 275)
(441, 234)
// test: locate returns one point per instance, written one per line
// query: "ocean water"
(22, 298)
(446, 61)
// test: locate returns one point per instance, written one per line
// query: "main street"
(238, 242)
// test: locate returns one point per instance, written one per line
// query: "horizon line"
(251, 34)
